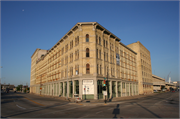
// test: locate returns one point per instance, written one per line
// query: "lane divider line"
(34, 101)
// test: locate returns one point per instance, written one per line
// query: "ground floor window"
(76, 87)
(70, 88)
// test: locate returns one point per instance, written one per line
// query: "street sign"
(104, 92)
(104, 78)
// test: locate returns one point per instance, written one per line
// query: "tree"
(19, 87)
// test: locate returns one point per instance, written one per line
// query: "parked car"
(77, 98)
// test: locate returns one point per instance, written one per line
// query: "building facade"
(79, 63)
(143, 68)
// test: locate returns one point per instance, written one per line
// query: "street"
(19, 105)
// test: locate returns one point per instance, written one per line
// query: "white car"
(77, 98)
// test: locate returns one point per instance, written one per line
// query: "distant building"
(143, 68)
(5, 86)
(158, 83)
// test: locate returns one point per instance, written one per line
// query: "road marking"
(60, 111)
(84, 116)
(34, 101)
(20, 107)
(98, 112)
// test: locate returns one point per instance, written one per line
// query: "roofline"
(83, 23)
(127, 47)
(35, 51)
(157, 77)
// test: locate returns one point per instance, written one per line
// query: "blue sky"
(26, 26)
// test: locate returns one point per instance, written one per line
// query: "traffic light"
(104, 88)
(104, 82)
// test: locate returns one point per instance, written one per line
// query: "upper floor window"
(87, 52)
(97, 53)
(100, 54)
(62, 50)
(77, 69)
(77, 40)
(87, 37)
(87, 69)
(99, 40)
(106, 44)
(96, 39)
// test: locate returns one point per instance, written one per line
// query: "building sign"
(88, 82)
(117, 59)
(88, 87)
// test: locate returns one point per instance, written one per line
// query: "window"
(97, 69)
(97, 53)
(66, 48)
(71, 71)
(106, 44)
(99, 40)
(111, 58)
(100, 54)
(96, 39)
(100, 70)
(123, 85)
(77, 40)
(87, 69)
(77, 69)
(107, 56)
(104, 56)
(87, 52)
(87, 37)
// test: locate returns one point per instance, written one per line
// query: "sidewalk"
(113, 100)
(93, 101)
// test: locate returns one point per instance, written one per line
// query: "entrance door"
(70, 88)
(99, 87)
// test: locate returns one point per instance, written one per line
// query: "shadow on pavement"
(116, 111)
(149, 111)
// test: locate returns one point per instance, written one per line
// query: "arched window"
(87, 69)
(87, 52)
(87, 37)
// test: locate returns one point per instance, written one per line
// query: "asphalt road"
(17, 105)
